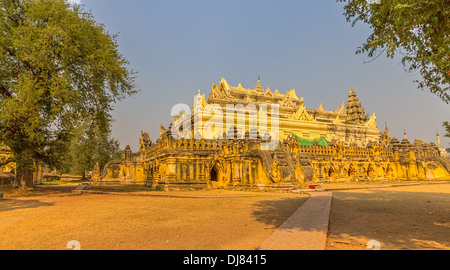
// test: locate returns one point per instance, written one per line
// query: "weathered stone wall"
(230, 163)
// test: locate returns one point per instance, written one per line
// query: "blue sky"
(179, 46)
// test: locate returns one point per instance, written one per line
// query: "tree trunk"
(24, 179)
(24, 173)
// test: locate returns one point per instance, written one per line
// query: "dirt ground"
(218, 220)
(412, 217)
(399, 218)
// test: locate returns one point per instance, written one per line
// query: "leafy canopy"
(57, 67)
(90, 144)
(418, 30)
(447, 128)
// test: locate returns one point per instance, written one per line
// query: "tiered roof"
(291, 106)
(355, 111)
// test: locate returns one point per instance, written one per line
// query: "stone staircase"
(286, 166)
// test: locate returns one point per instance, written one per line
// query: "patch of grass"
(8, 191)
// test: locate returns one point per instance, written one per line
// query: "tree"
(57, 67)
(447, 128)
(90, 144)
(418, 30)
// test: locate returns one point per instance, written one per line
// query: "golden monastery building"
(256, 138)
(8, 171)
(5, 154)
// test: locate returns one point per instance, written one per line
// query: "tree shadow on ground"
(396, 219)
(37, 191)
(10, 204)
(276, 212)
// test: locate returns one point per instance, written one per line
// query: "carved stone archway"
(214, 174)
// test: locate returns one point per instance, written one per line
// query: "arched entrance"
(214, 174)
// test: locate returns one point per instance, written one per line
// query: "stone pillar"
(127, 171)
(183, 172)
(202, 175)
(413, 171)
(249, 170)
(207, 173)
(197, 171)
(191, 171)
(178, 171)
(236, 173)
(241, 172)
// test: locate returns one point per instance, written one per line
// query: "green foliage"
(447, 128)
(57, 68)
(418, 30)
(90, 144)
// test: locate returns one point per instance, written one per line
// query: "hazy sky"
(180, 46)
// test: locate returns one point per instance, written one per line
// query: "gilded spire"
(439, 143)
(385, 137)
(259, 86)
(405, 140)
(352, 93)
